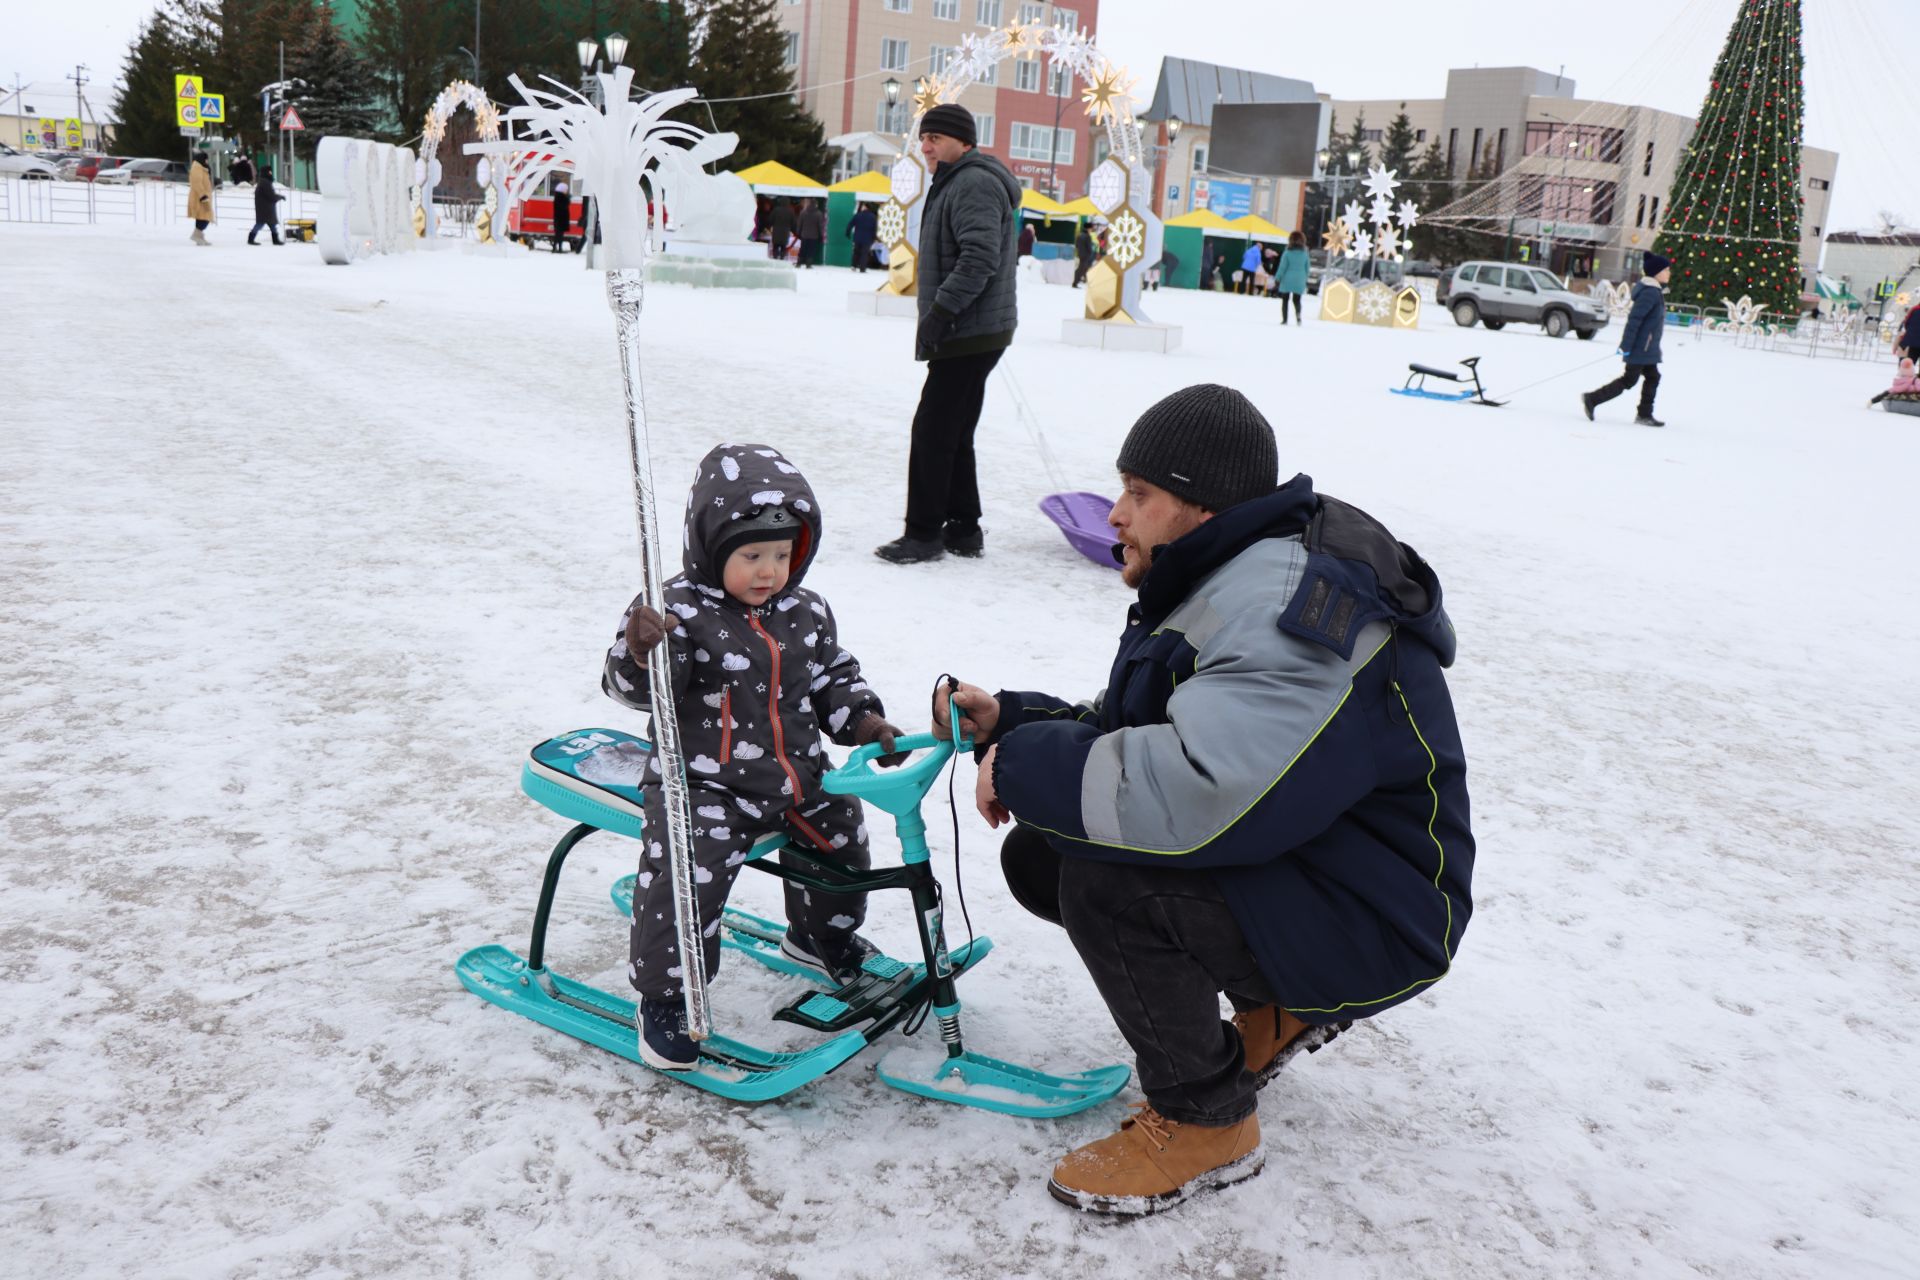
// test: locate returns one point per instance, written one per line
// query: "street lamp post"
(588, 49)
(1338, 177)
(892, 90)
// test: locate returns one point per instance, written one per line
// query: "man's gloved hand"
(874, 729)
(645, 630)
(934, 328)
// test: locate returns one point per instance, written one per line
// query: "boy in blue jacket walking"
(1640, 345)
(1268, 800)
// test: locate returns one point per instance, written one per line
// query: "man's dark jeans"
(1161, 945)
(942, 485)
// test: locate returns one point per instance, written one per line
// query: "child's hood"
(736, 481)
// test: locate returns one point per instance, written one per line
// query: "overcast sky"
(1860, 100)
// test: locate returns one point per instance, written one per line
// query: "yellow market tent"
(1081, 208)
(1205, 219)
(1255, 227)
(771, 178)
(868, 186)
(1032, 201)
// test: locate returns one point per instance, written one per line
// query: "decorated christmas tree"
(1733, 226)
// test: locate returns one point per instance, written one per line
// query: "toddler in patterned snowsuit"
(758, 675)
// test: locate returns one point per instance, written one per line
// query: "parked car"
(85, 168)
(1497, 293)
(146, 171)
(18, 164)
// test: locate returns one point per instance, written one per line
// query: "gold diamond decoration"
(1107, 93)
(903, 271)
(1103, 290)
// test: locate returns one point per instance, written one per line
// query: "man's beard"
(1133, 572)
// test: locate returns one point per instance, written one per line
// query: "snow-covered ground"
(298, 561)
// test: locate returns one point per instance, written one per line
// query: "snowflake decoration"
(977, 56)
(1381, 181)
(1126, 239)
(1376, 302)
(1107, 94)
(1072, 49)
(893, 223)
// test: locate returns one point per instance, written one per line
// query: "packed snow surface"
(298, 562)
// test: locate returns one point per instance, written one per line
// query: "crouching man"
(1269, 799)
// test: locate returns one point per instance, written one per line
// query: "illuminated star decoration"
(1335, 240)
(1072, 49)
(976, 55)
(1386, 243)
(1382, 210)
(1409, 214)
(1353, 218)
(927, 96)
(1108, 91)
(1381, 181)
(1019, 37)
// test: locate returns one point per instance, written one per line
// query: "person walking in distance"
(266, 211)
(812, 226)
(562, 212)
(780, 229)
(200, 197)
(863, 229)
(968, 256)
(1291, 280)
(1640, 344)
(1082, 255)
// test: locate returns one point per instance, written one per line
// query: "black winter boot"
(908, 549)
(964, 540)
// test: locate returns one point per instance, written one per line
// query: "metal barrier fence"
(136, 203)
(1852, 336)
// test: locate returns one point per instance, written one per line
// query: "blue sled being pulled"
(1417, 375)
(588, 776)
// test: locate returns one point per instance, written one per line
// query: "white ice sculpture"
(707, 208)
(620, 154)
(363, 191)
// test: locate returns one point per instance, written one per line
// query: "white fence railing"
(136, 203)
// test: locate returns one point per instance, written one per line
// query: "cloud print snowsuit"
(754, 688)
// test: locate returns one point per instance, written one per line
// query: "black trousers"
(1295, 299)
(1633, 373)
(942, 484)
(1080, 269)
(862, 254)
(1161, 946)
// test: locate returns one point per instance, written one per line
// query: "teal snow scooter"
(572, 775)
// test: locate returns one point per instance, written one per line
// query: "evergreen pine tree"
(1432, 189)
(410, 45)
(742, 55)
(1397, 148)
(1733, 221)
(144, 103)
(248, 35)
(340, 94)
(1356, 140)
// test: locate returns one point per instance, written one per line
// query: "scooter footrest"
(866, 998)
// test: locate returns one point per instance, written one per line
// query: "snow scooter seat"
(1417, 375)
(594, 776)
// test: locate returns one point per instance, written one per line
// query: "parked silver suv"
(1493, 293)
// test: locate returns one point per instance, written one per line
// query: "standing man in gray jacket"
(969, 249)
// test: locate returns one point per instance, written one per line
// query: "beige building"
(1576, 184)
(844, 52)
(25, 112)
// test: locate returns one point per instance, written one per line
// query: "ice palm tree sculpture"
(618, 153)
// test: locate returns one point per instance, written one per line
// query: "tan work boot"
(1273, 1038)
(1154, 1163)
(199, 237)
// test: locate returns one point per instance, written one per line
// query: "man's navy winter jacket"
(1276, 718)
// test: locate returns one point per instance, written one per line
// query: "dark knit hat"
(1656, 263)
(952, 120)
(768, 524)
(1206, 444)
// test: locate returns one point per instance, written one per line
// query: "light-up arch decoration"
(426, 171)
(1120, 186)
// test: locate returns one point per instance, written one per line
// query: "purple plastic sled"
(1083, 518)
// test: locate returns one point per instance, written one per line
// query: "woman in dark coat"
(266, 212)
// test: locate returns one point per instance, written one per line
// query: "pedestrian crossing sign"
(186, 86)
(213, 107)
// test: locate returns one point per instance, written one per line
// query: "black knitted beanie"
(1206, 444)
(953, 120)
